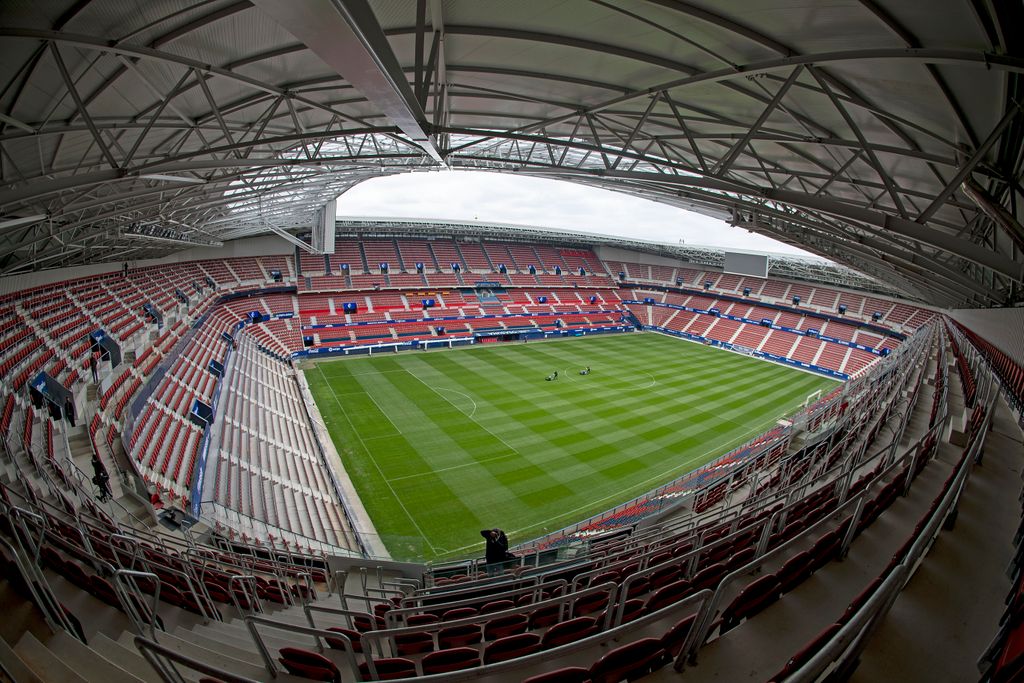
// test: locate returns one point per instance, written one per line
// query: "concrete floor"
(948, 614)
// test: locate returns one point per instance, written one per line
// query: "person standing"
(69, 411)
(497, 550)
(94, 367)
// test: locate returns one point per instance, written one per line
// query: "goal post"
(811, 398)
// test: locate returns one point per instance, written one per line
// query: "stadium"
(249, 437)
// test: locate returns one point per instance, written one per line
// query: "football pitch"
(442, 444)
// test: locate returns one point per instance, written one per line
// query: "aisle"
(949, 612)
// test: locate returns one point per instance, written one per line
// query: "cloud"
(540, 202)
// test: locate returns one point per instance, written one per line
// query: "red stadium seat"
(806, 652)
(675, 637)
(630, 661)
(446, 661)
(757, 595)
(309, 664)
(668, 595)
(414, 643)
(506, 626)
(510, 647)
(459, 636)
(568, 674)
(569, 632)
(389, 668)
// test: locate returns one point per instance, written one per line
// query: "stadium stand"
(667, 592)
(660, 595)
(266, 485)
(176, 258)
(447, 255)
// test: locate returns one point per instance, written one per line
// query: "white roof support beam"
(969, 164)
(728, 159)
(347, 37)
(11, 121)
(73, 91)
(280, 232)
(966, 249)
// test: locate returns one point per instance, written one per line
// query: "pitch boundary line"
(386, 416)
(375, 464)
(453, 467)
(366, 374)
(456, 391)
(417, 378)
(726, 445)
(678, 467)
(653, 380)
(644, 482)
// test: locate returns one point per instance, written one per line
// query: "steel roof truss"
(723, 166)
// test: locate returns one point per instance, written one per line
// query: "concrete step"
(226, 643)
(299, 618)
(19, 614)
(87, 662)
(128, 659)
(250, 665)
(232, 642)
(43, 663)
(14, 666)
(139, 510)
(239, 637)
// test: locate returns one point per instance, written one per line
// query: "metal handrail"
(566, 604)
(130, 596)
(41, 592)
(846, 646)
(247, 586)
(162, 659)
(253, 622)
(887, 368)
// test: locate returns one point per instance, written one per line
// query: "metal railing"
(165, 661)
(842, 651)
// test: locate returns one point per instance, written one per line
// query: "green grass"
(441, 444)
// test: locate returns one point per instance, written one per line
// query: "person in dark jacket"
(69, 411)
(497, 549)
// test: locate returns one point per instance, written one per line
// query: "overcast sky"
(508, 198)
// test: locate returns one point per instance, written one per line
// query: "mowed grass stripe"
(580, 404)
(415, 531)
(648, 432)
(538, 454)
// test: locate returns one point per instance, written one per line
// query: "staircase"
(462, 257)
(490, 262)
(362, 257)
(433, 258)
(398, 253)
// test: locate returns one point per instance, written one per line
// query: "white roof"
(130, 129)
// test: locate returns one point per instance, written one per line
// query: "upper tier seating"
(625, 606)
(417, 251)
(382, 251)
(903, 317)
